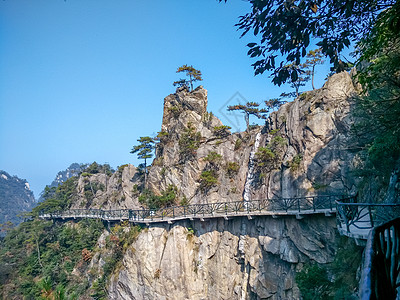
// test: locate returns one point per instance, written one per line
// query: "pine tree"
(144, 151)
(250, 108)
(192, 73)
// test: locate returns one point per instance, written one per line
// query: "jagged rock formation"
(242, 259)
(114, 191)
(309, 139)
(313, 156)
(235, 259)
(302, 150)
(15, 198)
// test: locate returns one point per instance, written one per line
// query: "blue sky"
(81, 81)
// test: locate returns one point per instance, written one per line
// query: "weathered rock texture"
(15, 198)
(116, 191)
(234, 259)
(314, 158)
(238, 258)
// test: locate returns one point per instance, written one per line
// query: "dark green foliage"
(238, 144)
(120, 238)
(313, 282)
(152, 201)
(145, 148)
(378, 108)
(221, 131)
(249, 109)
(213, 157)
(162, 136)
(208, 179)
(189, 142)
(295, 162)
(286, 28)
(232, 168)
(192, 73)
(271, 155)
(345, 267)
(90, 189)
(337, 280)
(42, 250)
(175, 110)
(144, 151)
(95, 168)
(57, 198)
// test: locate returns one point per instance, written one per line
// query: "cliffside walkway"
(356, 220)
(268, 207)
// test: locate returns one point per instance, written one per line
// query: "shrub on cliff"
(189, 142)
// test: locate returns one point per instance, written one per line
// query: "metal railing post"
(370, 216)
(313, 203)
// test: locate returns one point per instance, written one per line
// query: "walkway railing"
(357, 219)
(381, 268)
(282, 206)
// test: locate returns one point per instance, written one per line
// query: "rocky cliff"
(309, 139)
(303, 149)
(15, 198)
(241, 258)
(223, 259)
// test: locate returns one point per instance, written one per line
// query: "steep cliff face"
(108, 191)
(317, 156)
(190, 134)
(302, 150)
(15, 198)
(220, 259)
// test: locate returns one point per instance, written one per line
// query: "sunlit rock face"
(237, 258)
(234, 259)
(315, 156)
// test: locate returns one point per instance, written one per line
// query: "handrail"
(364, 216)
(312, 204)
(381, 267)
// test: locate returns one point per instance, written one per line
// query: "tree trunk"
(312, 77)
(246, 118)
(191, 82)
(145, 173)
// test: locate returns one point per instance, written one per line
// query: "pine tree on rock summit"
(192, 73)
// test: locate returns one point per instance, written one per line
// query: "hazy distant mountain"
(15, 198)
(62, 176)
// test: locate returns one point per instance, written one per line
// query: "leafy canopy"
(248, 109)
(145, 147)
(192, 73)
(288, 28)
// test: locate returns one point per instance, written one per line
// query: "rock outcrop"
(15, 198)
(313, 155)
(219, 259)
(115, 191)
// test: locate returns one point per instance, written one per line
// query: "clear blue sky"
(81, 81)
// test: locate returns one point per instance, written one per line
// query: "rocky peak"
(15, 198)
(184, 109)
